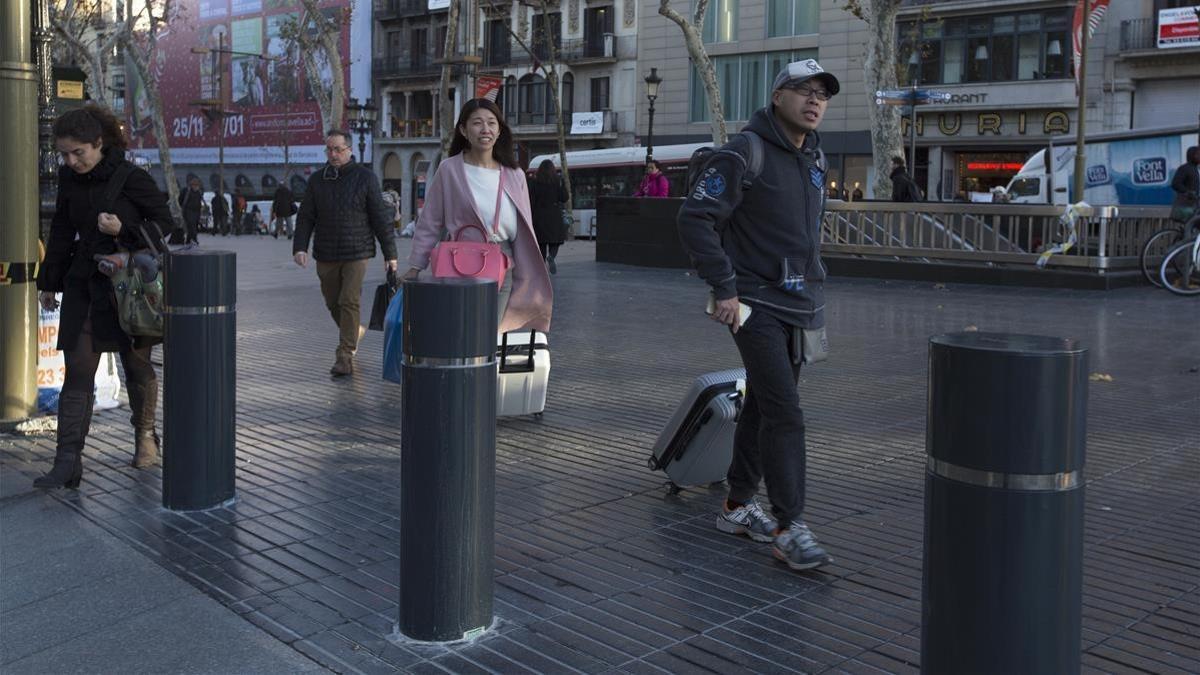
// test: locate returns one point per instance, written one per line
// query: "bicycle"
(1155, 249)
(1180, 268)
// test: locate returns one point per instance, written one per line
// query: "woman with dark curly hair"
(88, 221)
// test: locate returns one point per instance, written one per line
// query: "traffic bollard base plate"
(400, 639)
(222, 505)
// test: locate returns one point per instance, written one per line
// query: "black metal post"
(650, 134)
(199, 391)
(362, 147)
(447, 459)
(1005, 437)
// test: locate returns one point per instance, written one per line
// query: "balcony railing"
(418, 128)
(535, 121)
(420, 65)
(602, 47)
(1139, 34)
(396, 9)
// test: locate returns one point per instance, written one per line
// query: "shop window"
(989, 48)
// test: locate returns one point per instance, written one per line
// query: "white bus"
(618, 172)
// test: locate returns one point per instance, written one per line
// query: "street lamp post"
(652, 83)
(214, 107)
(914, 66)
(362, 120)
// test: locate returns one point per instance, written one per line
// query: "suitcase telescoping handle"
(528, 367)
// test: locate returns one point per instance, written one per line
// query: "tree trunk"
(140, 63)
(695, 46)
(445, 110)
(329, 39)
(880, 70)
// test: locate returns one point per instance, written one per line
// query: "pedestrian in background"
(343, 214)
(464, 191)
(761, 246)
(92, 144)
(904, 188)
(239, 212)
(547, 194)
(220, 214)
(654, 183)
(283, 210)
(1186, 185)
(190, 201)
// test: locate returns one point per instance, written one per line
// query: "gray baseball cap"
(801, 71)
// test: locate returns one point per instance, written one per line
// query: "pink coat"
(653, 186)
(449, 205)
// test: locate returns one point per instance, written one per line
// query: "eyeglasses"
(334, 151)
(806, 91)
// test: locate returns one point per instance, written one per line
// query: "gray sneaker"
(748, 519)
(797, 547)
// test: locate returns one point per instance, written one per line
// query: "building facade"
(592, 44)
(1007, 65)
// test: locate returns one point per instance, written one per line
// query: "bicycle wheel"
(1179, 272)
(1153, 251)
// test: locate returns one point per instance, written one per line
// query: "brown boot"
(344, 365)
(145, 452)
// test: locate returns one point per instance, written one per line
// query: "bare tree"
(140, 37)
(693, 36)
(879, 69)
(449, 49)
(90, 38)
(316, 37)
(549, 70)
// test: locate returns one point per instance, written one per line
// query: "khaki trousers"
(341, 285)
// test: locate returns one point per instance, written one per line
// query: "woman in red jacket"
(654, 183)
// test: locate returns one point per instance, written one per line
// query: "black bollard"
(447, 459)
(1005, 437)
(199, 389)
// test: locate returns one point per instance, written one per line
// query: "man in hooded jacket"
(757, 242)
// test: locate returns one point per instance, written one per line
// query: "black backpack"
(701, 156)
(754, 163)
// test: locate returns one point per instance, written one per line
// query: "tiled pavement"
(598, 569)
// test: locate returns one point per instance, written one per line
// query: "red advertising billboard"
(234, 52)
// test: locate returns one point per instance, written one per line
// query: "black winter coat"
(742, 238)
(904, 188)
(343, 212)
(545, 203)
(284, 203)
(1186, 184)
(189, 202)
(69, 267)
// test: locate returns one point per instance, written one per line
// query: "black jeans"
(550, 250)
(769, 441)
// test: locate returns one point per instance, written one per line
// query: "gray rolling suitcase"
(696, 446)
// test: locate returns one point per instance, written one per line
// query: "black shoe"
(552, 265)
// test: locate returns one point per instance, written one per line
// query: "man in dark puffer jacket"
(343, 207)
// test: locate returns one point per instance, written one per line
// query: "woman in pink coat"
(654, 183)
(464, 190)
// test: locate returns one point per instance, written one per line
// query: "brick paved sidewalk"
(598, 569)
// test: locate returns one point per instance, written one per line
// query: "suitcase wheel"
(672, 488)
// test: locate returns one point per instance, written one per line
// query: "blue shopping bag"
(393, 338)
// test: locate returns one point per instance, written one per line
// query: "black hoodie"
(741, 238)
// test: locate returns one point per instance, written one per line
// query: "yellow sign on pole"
(70, 89)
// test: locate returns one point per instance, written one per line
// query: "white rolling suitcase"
(523, 365)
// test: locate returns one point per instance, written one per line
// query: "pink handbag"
(474, 259)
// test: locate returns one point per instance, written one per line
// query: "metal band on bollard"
(447, 459)
(1003, 565)
(199, 387)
